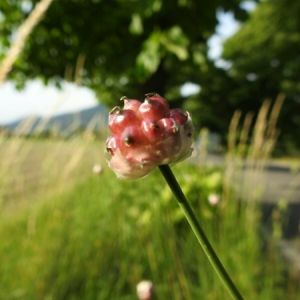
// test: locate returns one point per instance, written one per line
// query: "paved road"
(268, 182)
(271, 184)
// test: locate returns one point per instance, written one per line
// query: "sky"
(37, 99)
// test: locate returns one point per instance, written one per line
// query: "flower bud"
(145, 290)
(146, 135)
(214, 199)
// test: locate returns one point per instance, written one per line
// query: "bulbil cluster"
(146, 135)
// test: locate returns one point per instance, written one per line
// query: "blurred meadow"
(70, 230)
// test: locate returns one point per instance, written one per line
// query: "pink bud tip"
(146, 135)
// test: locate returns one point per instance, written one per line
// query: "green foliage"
(99, 239)
(157, 46)
(265, 62)
(136, 47)
(130, 47)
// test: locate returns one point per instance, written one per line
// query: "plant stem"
(198, 231)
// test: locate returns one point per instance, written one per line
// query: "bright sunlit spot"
(36, 99)
(227, 27)
(189, 88)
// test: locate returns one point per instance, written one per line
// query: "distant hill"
(95, 118)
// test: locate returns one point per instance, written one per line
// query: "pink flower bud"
(152, 110)
(118, 119)
(146, 135)
(178, 115)
(131, 103)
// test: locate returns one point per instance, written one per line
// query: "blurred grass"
(97, 237)
(68, 234)
(33, 168)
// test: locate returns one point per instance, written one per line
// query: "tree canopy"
(135, 47)
(128, 47)
(265, 58)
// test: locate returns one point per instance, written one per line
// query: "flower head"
(146, 135)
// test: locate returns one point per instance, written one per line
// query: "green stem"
(198, 231)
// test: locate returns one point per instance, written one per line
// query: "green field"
(67, 233)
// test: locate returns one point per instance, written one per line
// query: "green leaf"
(149, 58)
(176, 42)
(136, 25)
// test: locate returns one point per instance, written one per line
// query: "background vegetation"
(97, 237)
(69, 233)
(135, 47)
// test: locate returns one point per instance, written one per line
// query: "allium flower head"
(146, 135)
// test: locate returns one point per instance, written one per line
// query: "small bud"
(157, 97)
(151, 130)
(131, 103)
(178, 115)
(97, 169)
(214, 199)
(145, 290)
(152, 110)
(119, 119)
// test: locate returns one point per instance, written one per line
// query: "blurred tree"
(265, 58)
(119, 47)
